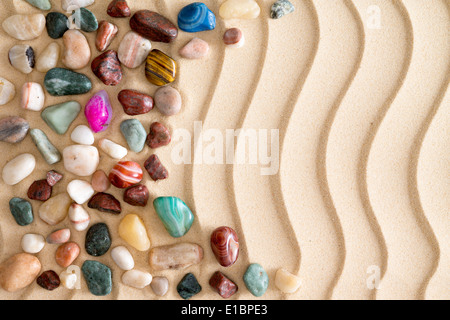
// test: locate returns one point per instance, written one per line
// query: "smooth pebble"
(286, 281)
(32, 243)
(67, 253)
(82, 135)
(18, 169)
(160, 286)
(48, 59)
(76, 53)
(80, 191)
(33, 97)
(21, 57)
(78, 216)
(122, 257)
(132, 230)
(24, 27)
(59, 236)
(48, 151)
(106, 33)
(69, 5)
(168, 101)
(112, 149)
(55, 209)
(239, 9)
(133, 50)
(100, 181)
(19, 271)
(137, 279)
(195, 49)
(81, 160)
(7, 91)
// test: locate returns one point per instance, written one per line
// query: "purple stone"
(98, 111)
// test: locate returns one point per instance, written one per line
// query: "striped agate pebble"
(126, 174)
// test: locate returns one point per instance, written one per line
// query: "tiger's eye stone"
(160, 69)
(174, 214)
(153, 26)
(107, 68)
(224, 286)
(225, 246)
(126, 174)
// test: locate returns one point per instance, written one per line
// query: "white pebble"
(70, 278)
(112, 149)
(286, 281)
(137, 279)
(79, 217)
(18, 169)
(69, 5)
(81, 160)
(122, 257)
(82, 135)
(32, 243)
(33, 96)
(80, 191)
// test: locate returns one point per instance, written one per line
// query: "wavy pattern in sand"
(383, 68)
(309, 205)
(392, 165)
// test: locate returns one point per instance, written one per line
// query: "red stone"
(153, 26)
(105, 202)
(53, 177)
(119, 9)
(225, 246)
(107, 68)
(136, 195)
(155, 168)
(159, 136)
(40, 190)
(126, 174)
(224, 286)
(49, 280)
(105, 35)
(135, 103)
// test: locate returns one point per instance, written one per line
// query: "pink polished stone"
(98, 111)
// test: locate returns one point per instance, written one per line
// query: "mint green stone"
(135, 134)
(174, 214)
(40, 4)
(46, 148)
(98, 277)
(22, 211)
(256, 280)
(59, 117)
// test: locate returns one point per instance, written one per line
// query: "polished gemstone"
(160, 69)
(159, 136)
(196, 17)
(134, 133)
(223, 285)
(57, 24)
(281, 8)
(125, 174)
(160, 286)
(98, 277)
(84, 20)
(256, 280)
(188, 286)
(174, 214)
(76, 53)
(59, 236)
(132, 230)
(175, 257)
(107, 68)
(23, 26)
(134, 102)
(13, 129)
(100, 182)
(98, 240)
(287, 282)
(32, 243)
(82, 135)
(136, 195)
(40, 190)
(153, 26)
(239, 9)
(122, 257)
(105, 202)
(234, 38)
(22, 58)
(48, 151)
(225, 245)
(98, 111)
(133, 50)
(59, 117)
(63, 82)
(21, 210)
(118, 9)
(106, 33)
(155, 168)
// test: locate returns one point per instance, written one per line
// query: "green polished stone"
(59, 117)
(188, 286)
(85, 20)
(57, 24)
(98, 277)
(46, 148)
(22, 211)
(40, 4)
(135, 134)
(64, 82)
(174, 214)
(256, 279)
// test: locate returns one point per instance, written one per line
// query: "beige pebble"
(32, 243)
(18, 169)
(19, 271)
(239, 9)
(160, 286)
(79, 217)
(69, 5)
(176, 256)
(136, 279)
(70, 278)
(77, 53)
(100, 181)
(286, 281)
(7, 91)
(55, 209)
(48, 59)
(132, 230)
(195, 49)
(24, 27)
(168, 101)
(122, 257)
(112, 149)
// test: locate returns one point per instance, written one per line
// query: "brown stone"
(40, 190)
(136, 195)
(176, 256)
(135, 103)
(100, 182)
(67, 253)
(49, 280)
(19, 271)
(224, 286)
(119, 9)
(53, 177)
(159, 136)
(13, 129)
(155, 168)
(105, 202)
(153, 26)
(107, 68)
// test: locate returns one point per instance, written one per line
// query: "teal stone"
(135, 134)
(188, 286)
(256, 280)
(56, 24)
(22, 211)
(59, 117)
(174, 214)
(98, 277)
(46, 148)
(64, 82)
(40, 4)
(85, 20)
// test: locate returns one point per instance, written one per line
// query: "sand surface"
(363, 187)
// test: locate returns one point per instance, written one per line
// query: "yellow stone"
(160, 69)
(286, 281)
(239, 9)
(132, 230)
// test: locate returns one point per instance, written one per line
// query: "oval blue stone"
(174, 214)
(196, 17)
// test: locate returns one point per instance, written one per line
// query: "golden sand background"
(364, 175)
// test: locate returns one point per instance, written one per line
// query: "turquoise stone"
(40, 4)
(135, 134)
(174, 214)
(98, 277)
(256, 280)
(46, 148)
(85, 20)
(188, 286)
(21, 210)
(59, 117)
(196, 17)
(64, 82)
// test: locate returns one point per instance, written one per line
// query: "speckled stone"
(40, 190)
(57, 24)
(22, 211)
(256, 279)
(134, 102)
(106, 33)
(98, 277)
(53, 177)
(107, 68)
(136, 195)
(85, 20)
(134, 133)
(188, 286)
(49, 280)
(281, 8)
(48, 151)
(223, 285)
(105, 202)
(155, 168)
(159, 136)
(64, 82)
(13, 129)
(98, 240)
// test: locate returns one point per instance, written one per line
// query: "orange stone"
(67, 253)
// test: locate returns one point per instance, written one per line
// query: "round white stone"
(79, 217)
(112, 149)
(122, 257)
(33, 96)
(80, 191)
(81, 160)
(137, 279)
(82, 135)
(32, 243)
(18, 169)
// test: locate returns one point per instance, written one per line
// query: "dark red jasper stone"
(135, 103)
(119, 9)
(105, 202)
(155, 168)
(224, 286)
(136, 195)
(153, 26)
(159, 136)
(49, 280)
(40, 190)
(107, 68)
(53, 177)
(225, 246)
